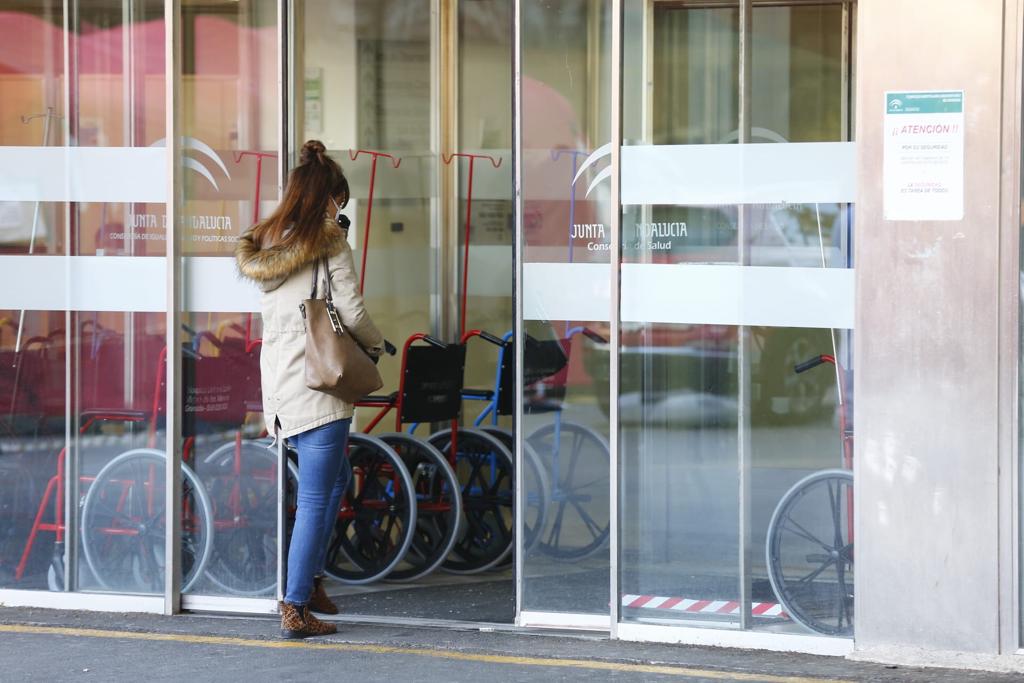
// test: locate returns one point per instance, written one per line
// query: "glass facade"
(707, 411)
(648, 205)
(717, 429)
(84, 119)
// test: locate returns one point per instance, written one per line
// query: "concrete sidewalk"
(49, 645)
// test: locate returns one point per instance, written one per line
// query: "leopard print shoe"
(319, 600)
(298, 622)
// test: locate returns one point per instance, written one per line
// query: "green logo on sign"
(940, 102)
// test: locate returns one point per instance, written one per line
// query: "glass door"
(229, 115)
(411, 98)
(563, 345)
(82, 193)
(736, 271)
(363, 83)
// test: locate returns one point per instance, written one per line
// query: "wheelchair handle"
(389, 348)
(594, 336)
(487, 336)
(434, 341)
(811, 363)
(198, 338)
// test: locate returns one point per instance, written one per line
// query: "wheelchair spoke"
(591, 525)
(795, 527)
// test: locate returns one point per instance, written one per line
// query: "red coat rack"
(260, 156)
(395, 163)
(447, 159)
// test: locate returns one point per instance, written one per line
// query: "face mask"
(340, 218)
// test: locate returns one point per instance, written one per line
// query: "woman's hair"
(310, 186)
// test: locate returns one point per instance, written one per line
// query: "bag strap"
(328, 283)
(316, 269)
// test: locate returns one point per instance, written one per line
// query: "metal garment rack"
(260, 157)
(395, 163)
(447, 159)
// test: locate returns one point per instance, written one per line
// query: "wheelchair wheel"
(377, 517)
(484, 468)
(536, 488)
(810, 552)
(438, 506)
(124, 524)
(243, 493)
(576, 460)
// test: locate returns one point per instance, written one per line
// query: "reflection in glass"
(32, 455)
(229, 118)
(565, 417)
(33, 343)
(124, 524)
(121, 445)
(94, 374)
(678, 409)
(565, 205)
(718, 431)
(796, 96)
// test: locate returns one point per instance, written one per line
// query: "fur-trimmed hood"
(269, 268)
(285, 275)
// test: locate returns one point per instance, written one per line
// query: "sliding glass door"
(736, 268)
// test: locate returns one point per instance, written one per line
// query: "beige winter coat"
(285, 275)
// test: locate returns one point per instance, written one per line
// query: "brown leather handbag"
(335, 362)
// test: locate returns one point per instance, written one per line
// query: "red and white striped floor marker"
(758, 609)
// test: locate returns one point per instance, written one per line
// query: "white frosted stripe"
(737, 295)
(657, 602)
(566, 291)
(116, 283)
(796, 173)
(715, 605)
(83, 283)
(684, 605)
(83, 174)
(692, 294)
(212, 285)
(119, 283)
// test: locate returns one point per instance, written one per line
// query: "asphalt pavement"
(49, 645)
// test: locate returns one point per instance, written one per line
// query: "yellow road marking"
(419, 652)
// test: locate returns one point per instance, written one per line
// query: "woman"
(278, 255)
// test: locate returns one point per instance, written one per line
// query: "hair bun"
(312, 150)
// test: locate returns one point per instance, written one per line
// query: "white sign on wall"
(313, 90)
(923, 168)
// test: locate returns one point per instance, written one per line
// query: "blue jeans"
(324, 474)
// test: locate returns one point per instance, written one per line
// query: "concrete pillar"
(928, 345)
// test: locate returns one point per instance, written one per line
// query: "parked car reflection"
(689, 373)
